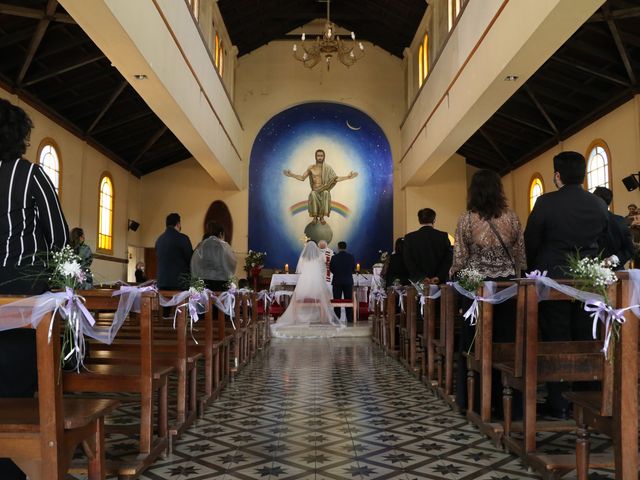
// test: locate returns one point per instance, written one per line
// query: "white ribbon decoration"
(376, 296)
(493, 298)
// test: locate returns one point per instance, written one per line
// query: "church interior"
(146, 107)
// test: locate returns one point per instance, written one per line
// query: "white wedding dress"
(309, 313)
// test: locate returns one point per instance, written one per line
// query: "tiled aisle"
(334, 409)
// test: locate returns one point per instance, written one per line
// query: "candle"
(357, 267)
(286, 268)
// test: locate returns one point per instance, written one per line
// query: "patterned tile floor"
(333, 409)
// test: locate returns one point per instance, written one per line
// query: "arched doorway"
(219, 213)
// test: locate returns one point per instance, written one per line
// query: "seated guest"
(488, 239)
(141, 276)
(31, 224)
(562, 223)
(86, 256)
(214, 260)
(618, 241)
(395, 270)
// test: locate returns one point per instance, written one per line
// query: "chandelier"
(327, 46)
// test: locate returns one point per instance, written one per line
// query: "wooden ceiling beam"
(590, 71)
(616, 14)
(622, 50)
(123, 121)
(541, 109)
(114, 96)
(493, 144)
(37, 39)
(66, 69)
(154, 138)
(525, 123)
(25, 12)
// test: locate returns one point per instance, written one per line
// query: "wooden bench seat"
(41, 434)
(144, 376)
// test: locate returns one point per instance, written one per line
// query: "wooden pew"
(443, 346)
(430, 321)
(408, 332)
(612, 411)
(483, 353)
(390, 322)
(536, 361)
(143, 376)
(40, 435)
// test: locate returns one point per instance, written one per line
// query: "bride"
(310, 304)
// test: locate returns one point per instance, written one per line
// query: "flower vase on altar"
(254, 274)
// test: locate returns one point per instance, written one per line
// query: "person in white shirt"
(328, 253)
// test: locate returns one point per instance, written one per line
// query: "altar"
(284, 283)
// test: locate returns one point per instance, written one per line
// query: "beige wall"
(185, 188)
(82, 167)
(619, 129)
(445, 192)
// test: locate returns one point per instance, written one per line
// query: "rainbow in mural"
(339, 208)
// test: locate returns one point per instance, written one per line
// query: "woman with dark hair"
(31, 225)
(84, 252)
(395, 268)
(489, 235)
(489, 239)
(213, 260)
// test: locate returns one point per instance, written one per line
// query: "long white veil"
(310, 304)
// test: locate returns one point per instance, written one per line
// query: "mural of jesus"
(322, 179)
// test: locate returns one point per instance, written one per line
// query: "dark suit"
(427, 254)
(562, 223)
(342, 266)
(173, 256)
(619, 241)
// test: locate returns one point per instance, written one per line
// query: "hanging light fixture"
(327, 46)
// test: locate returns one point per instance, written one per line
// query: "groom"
(342, 266)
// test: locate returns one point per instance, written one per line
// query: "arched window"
(217, 50)
(598, 165)
(105, 215)
(195, 7)
(423, 60)
(49, 160)
(420, 66)
(536, 188)
(454, 7)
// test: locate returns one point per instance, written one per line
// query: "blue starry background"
(352, 142)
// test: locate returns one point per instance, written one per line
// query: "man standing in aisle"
(342, 266)
(173, 256)
(427, 251)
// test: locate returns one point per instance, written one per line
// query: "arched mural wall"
(361, 206)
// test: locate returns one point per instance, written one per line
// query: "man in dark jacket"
(342, 266)
(427, 251)
(618, 242)
(173, 256)
(563, 223)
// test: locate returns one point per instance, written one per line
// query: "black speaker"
(133, 225)
(631, 182)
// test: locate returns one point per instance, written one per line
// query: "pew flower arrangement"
(384, 255)
(596, 275)
(67, 274)
(470, 279)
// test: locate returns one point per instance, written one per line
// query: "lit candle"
(357, 267)
(286, 268)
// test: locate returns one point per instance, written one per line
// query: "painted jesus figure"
(322, 179)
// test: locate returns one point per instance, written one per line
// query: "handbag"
(504, 247)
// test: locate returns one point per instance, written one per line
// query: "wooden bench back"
(52, 445)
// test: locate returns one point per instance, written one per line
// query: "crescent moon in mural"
(352, 127)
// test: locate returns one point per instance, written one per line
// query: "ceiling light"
(327, 46)
(140, 76)
(511, 78)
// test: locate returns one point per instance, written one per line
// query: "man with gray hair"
(328, 253)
